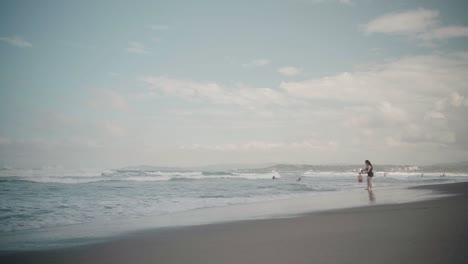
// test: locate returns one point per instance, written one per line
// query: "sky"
(191, 83)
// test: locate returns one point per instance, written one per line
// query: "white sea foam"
(49, 172)
(82, 176)
(51, 197)
(83, 233)
(174, 174)
(148, 179)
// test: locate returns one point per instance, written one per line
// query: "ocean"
(51, 207)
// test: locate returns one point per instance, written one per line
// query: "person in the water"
(370, 174)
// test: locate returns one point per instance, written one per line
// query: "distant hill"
(443, 167)
(448, 167)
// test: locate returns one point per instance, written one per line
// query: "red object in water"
(359, 178)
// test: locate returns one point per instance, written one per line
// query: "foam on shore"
(72, 235)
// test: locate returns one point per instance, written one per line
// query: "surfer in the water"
(370, 174)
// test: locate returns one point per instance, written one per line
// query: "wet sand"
(434, 231)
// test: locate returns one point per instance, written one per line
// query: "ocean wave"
(311, 173)
(211, 196)
(137, 176)
(50, 172)
(62, 176)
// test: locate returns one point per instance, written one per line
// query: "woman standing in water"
(370, 174)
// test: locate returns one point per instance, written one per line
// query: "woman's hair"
(368, 162)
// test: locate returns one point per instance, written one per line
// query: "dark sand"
(433, 231)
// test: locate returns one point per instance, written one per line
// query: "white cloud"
(215, 93)
(137, 48)
(109, 100)
(456, 99)
(309, 144)
(400, 80)
(112, 129)
(16, 41)
(391, 98)
(408, 22)
(392, 142)
(440, 104)
(393, 113)
(256, 63)
(117, 101)
(445, 33)
(453, 99)
(289, 71)
(434, 115)
(421, 24)
(410, 100)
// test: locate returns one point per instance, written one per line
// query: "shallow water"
(43, 209)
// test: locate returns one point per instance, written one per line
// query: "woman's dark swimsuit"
(370, 173)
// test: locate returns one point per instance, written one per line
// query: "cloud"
(109, 100)
(256, 63)
(408, 22)
(434, 115)
(445, 33)
(456, 99)
(450, 110)
(116, 101)
(401, 80)
(137, 48)
(393, 113)
(415, 101)
(309, 144)
(289, 71)
(215, 93)
(421, 24)
(16, 41)
(112, 129)
(391, 99)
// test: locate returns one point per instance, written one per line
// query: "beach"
(431, 231)
(234, 132)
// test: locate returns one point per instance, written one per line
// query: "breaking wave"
(75, 177)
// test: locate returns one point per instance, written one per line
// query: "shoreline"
(101, 231)
(429, 231)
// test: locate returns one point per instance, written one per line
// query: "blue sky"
(118, 83)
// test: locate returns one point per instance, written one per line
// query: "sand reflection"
(371, 196)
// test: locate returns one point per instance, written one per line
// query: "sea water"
(46, 207)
